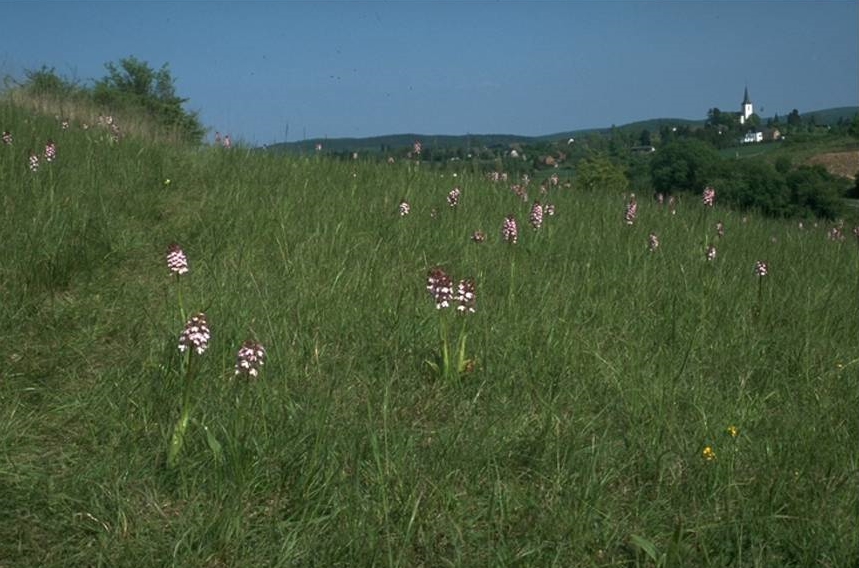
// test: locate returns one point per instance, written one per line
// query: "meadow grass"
(603, 371)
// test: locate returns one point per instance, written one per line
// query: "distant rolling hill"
(830, 116)
(398, 141)
(653, 125)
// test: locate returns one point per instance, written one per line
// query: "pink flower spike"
(33, 162)
(249, 359)
(536, 217)
(440, 287)
(510, 230)
(465, 296)
(50, 151)
(453, 196)
(631, 210)
(196, 335)
(177, 262)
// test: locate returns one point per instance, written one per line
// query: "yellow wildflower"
(708, 453)
(733, 431)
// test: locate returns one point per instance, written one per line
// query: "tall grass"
(79, 109)
(603, 371)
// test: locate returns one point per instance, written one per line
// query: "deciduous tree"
(599, 172)
(133, 83)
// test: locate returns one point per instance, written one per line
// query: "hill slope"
(606, 394)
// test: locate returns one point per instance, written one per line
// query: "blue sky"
(453, 67)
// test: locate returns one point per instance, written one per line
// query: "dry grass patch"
(842, 164)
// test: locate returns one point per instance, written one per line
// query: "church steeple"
(747, 109)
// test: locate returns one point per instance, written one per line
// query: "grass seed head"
(115, 133)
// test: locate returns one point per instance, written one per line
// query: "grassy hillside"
(831, 116)
(803, 149)
(653, 125)
(617, 406)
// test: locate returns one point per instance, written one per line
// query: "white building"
(753, 137)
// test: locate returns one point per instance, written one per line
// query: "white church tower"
(747, 109)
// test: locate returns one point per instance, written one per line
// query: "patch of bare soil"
(843, 164)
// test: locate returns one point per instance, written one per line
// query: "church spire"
(746, 110)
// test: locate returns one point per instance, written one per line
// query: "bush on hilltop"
(143, 97)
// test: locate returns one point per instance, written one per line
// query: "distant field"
(622, 400)
(751, 150)
(839, 154)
